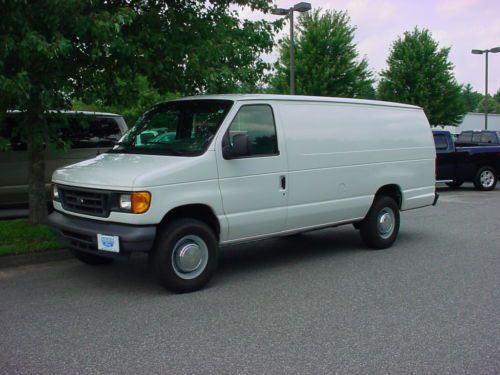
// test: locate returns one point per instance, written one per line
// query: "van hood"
(129, 171)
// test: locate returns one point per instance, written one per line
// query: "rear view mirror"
(240, 147)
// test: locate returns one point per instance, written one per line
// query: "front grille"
(85, 201)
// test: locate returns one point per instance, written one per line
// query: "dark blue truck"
(456, 165)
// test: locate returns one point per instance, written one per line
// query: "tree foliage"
(497, 96)
(493, 105)
(55, 52)
(420, 73)
(471, 98)
(135, 102)
(327, 63)
(51, 51)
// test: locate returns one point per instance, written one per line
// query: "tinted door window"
(476, 137)
(440, 142)
(81, 132)
(9, 140)
(257, 123)
(465, 138)
(488, 138)
(78, 132)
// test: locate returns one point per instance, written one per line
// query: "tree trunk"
(36, 162)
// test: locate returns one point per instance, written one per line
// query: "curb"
(16, 260)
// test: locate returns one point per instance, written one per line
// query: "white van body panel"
(335, 154)
(339, 155)
(129, 171)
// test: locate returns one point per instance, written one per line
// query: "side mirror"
(240, 147)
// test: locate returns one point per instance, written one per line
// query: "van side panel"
(13, 177)
(339, 155)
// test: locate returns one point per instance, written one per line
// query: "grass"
(19, 237)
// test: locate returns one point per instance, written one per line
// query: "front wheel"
(486, 178)
(185, 255)
(380, 227)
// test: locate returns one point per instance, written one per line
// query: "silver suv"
(86, 133)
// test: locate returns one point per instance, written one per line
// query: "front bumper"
(81, 234)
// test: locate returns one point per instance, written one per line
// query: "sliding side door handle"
(283, 182)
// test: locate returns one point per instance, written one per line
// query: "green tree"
(493, 105)
(327, 63)
(471, 98)
(100, 53)
(420, 73)
(497, 96)
(51, 49)
(136, 97)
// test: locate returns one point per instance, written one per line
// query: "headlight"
(136, 202)
(126, 202)
(55, 192)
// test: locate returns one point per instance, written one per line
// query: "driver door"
(254, 184)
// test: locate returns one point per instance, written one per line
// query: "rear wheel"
(380, 227)
(486, 178)
(185, 255)
(91, 259)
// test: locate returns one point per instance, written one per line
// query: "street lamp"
(299, 7)
(480, 52)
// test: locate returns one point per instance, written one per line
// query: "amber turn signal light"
(141, 200)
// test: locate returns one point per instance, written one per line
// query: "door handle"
(283, 182)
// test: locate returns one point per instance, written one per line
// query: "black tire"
(179, 237)
(91, 259)
(371, 232)
(454, 184)
(486, 178)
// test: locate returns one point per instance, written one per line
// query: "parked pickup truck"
(456, 165)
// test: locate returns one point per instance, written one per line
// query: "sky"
(462, 25)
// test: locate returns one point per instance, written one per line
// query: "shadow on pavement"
(134, 275)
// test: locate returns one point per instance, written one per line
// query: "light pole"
(299, 7)
(480, 52)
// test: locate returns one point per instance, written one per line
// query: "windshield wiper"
(120, 146)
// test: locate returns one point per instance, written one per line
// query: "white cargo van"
(202, 172)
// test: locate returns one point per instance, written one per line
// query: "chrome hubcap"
(385, 222)
(487, 179)
(190, 257)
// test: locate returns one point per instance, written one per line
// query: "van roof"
(13, 112)
(302, 98)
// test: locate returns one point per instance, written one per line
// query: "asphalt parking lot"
(319, 303)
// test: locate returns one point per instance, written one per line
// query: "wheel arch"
(390, 190)
(198, 211)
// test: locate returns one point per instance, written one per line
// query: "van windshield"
(179, 128)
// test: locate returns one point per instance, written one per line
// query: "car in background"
(456, 165)
(83, 135)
